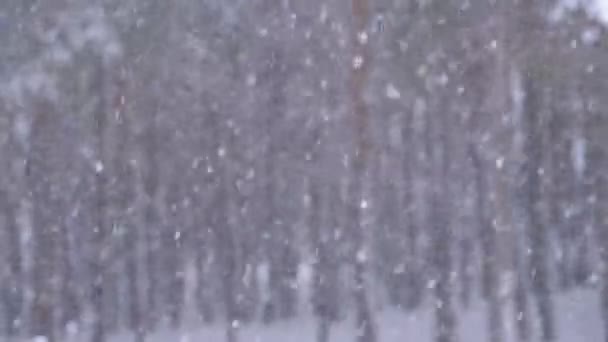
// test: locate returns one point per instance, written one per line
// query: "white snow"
(591, 35)
(392, 92)
(221, 152)
(364, 204)
(597, 9)
(251, 80)
(600, 9)
(500, 162)
(357, 62)
(578, 156)
(579, 320)
(362, 37)
(99, 166)
(361, 255)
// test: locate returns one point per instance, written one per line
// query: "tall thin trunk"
(12, 295)
(44, 228)
(531, 191)
(153, 224)
(283, 258)
(134, 286)
(100, 231)
(226, 240)
(414, 287)
(134, 239)
(602, 232)
(325, 276)
(596, 127)
(23, 225)
(366, 326)
(203, 255)
(489, 244)
(440, 235)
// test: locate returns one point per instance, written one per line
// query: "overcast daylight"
(303, 170)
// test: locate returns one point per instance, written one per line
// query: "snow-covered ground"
(578, 320)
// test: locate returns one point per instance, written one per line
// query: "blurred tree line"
(251, 161)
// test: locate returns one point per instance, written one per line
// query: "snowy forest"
(304, 170)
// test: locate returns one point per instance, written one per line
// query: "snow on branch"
(596, 9)
(64, 36)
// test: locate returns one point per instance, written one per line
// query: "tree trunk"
(531, 190)
(44, 226)
(489, 245)
(440, 235)
(366, 327)
(325, 277)
(12, 294)
(100, 210)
